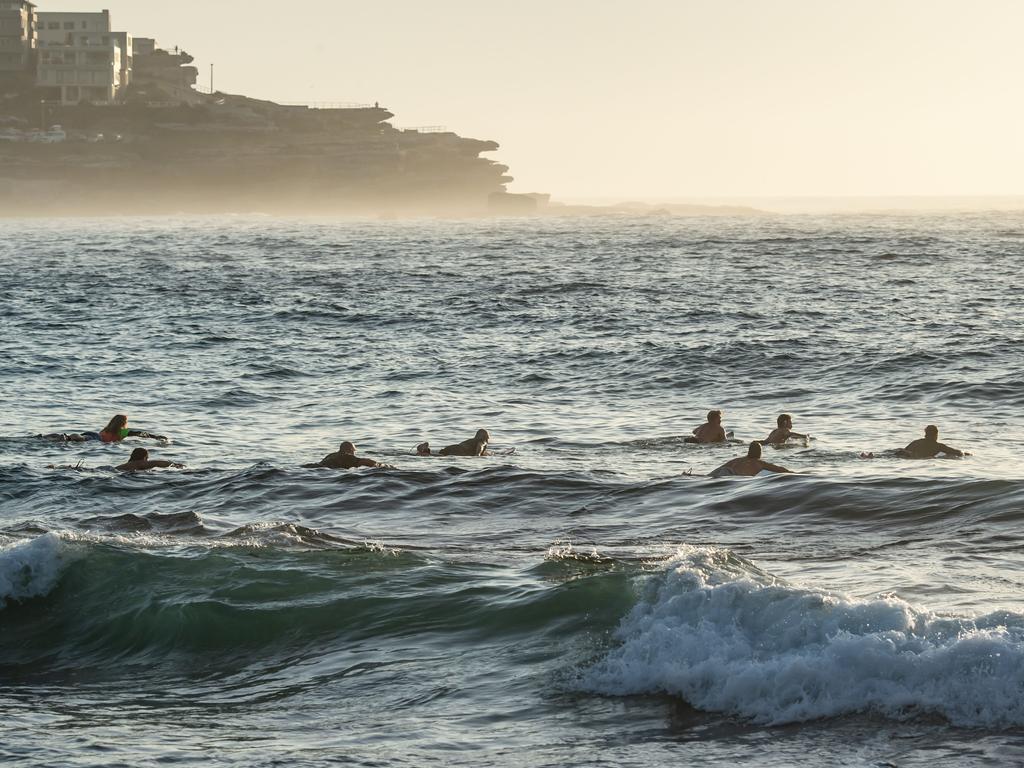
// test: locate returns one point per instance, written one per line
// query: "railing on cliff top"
(307, 104)
(427, 129)
(346, 105)
(328, 104)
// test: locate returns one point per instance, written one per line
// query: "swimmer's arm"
(719, 436)
(950, 451)
(364, 462)
(797, 435)
(143, 433)
(777, 468)
(162, 464)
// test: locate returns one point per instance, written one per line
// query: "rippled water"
(577, 598)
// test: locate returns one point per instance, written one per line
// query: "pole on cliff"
(211, 78)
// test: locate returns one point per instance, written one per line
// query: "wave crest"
(30, 568)
(726, 637)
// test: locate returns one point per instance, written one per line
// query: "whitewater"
(586, 595)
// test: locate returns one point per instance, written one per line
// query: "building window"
(85, 25)
(69, 25)
(53, 25)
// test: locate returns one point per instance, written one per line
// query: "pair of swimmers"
(713, 432)
(116, 431)
(345, 457)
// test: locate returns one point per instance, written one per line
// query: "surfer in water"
(748, 465)
(711, 432)
(928, 446)
(783, 432)
(115, 431)
(345, 458)
(140, 460)
(475, 446)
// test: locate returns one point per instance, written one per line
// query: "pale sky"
(649, 98)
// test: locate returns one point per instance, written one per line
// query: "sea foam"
(30, 568)
(726, 637)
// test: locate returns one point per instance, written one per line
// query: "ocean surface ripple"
(586, 595)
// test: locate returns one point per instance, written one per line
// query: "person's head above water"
(714, 417)
(931, 432)
(784, 420)
(754, 450)
(483, 436)
(347, 447)
(139, 454)
(423, 449)
(116, 424)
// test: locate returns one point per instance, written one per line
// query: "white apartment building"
(81, 56)
(17, 36)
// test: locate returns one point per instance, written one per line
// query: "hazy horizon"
(822, 203)
(651, 100)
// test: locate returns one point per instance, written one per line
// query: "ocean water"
(584, 596)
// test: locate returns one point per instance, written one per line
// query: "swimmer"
(140, 460)
(475, 446)
(423, 449)
(783, 432)
(748, 465)
(711, 432)
(928, 446)
(344, 458)
(115, 431)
